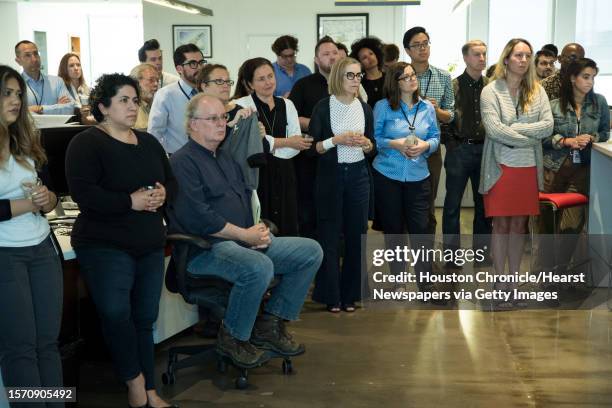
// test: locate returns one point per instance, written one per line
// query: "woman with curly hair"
(119, 177)
(368, 51)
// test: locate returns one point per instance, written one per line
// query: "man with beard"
(148, 82)
(305, 94)
(47, 94)
(167, 116)
(544, 63)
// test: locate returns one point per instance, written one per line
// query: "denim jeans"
(332, 285)
(462, 163)
(31, 295)
(295, 260)
(126, 292)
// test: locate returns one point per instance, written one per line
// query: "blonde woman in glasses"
(343, 132)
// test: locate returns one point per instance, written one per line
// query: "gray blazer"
(243, 142)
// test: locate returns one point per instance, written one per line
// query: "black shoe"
(242, 353)
(270, 333)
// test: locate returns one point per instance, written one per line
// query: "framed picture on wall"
(200, 35)
(344, 28)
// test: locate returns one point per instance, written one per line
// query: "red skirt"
(515, 193)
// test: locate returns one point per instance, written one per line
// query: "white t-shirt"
(27, 229)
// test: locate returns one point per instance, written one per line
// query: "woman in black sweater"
(117, 176)
(343, 132)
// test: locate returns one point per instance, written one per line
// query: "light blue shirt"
(390, 125)
(46, 92)
(167, 115)
(284, 81)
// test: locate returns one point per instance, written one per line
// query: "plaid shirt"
(552, 86)
(436, 83)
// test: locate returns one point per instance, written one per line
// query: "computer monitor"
(55, 142)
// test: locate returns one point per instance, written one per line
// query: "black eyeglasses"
(195, 64)
(420, 46)
(354, 75)
(220, 82)
(214, 119)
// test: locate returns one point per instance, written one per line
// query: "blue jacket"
(594, 120)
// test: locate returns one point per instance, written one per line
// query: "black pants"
(351, 220)
(462, 163)
(31, 293)
(404, 206)
(126, 292)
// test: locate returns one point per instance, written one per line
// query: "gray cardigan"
(503, 128)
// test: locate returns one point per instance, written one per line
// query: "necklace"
(265, 117)
(131, 134)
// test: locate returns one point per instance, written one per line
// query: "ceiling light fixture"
(182, 6)
(377, 3)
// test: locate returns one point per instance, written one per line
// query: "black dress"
(374, 89)
(277, 184)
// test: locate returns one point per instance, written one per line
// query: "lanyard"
(428, 81)
(411, 125)
(42, 94)
(183, 91)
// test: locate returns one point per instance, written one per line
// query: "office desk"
(600, 211)
(174, 314)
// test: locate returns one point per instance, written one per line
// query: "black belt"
(472, 141)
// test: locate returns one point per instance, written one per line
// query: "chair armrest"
(189, 239)
(271, 226)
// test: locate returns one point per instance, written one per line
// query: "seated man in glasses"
(214, 202)
(167, 114)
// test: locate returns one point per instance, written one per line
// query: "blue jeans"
(462, 163)
(31, 293)
(295, 260)
(126, 291)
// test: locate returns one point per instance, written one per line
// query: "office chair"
(205, 291)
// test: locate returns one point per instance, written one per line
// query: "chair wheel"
(168, 378)
(242, 382)
(287, 367)
(221, 366)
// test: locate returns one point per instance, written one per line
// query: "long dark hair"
(246, 74)
(391, 89)
(566, 93)
(23, 137)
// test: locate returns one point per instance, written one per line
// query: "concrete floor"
(407, 358)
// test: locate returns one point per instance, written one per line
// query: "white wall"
(113, 30)
(9, 33)
(242, 29)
